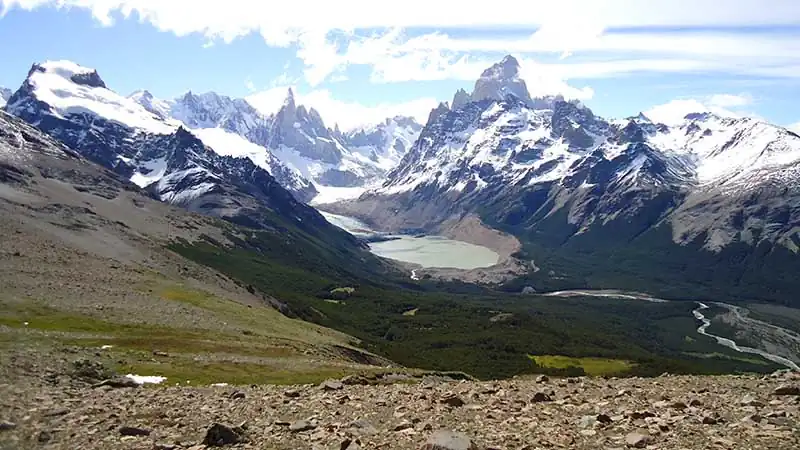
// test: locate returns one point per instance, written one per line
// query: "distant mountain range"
(292, 144)
(709, 192)
(570, 183)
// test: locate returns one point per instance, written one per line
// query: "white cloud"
(725, 105)
(248, 83)
(348, 115)
(730, 100)
(331, 36)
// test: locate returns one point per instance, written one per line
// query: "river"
(705, 322)
(426, 251)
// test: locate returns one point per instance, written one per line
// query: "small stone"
(604, 419)
(220, 435)
(752, 418)
(134, 431)
(540, 397)
(44, 437)
(5, 426)
(404, 425)
(164, 446)
(349, 444)
(301, 425)
(292, 393)
(749, 400)
(236, 395)
(118, 383)
(637, 440)
(587, 421)
(637, 415)
(679, 405)
(363, 427)
(453, 401)
(331, 385)
(162, 354)
(57, 412)
(449, 440)
(787, 390)
(709, 420)
(542, 379)
(695, 402)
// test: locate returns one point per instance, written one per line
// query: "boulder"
(449, 440)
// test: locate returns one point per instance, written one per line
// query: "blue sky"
(360, 64)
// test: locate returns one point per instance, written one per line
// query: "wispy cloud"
(587, 38)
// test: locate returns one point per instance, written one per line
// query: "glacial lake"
(427, 251)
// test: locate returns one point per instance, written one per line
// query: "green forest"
(486, 332)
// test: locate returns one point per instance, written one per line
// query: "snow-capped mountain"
(293, 143)
(300, 138)
(231, 127)
(522, 163)
(5, 94)
(73, 105)
(385, 143)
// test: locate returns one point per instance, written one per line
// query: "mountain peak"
(501, 80)
(69, 70)
(289, 101)
(141, 94)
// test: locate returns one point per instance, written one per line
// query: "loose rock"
(638, 440)
(134, 431)
(220, 435)
(787, 390)
(449, 440)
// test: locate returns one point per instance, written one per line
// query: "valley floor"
(668, 412)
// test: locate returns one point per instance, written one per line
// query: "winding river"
(698, 314)
(733, 345)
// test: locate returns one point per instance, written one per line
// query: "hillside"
(84, 265)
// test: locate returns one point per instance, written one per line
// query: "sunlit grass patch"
(591, 366)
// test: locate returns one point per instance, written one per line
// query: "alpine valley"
(709, 208)
(587, 214)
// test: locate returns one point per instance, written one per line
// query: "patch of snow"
(226, 143)
(149, 172)
(106, 347)
(152, 379)
(65, 97)
(332, 194)
(219, 384)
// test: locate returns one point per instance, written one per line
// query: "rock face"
(553, 173)
(497, 83)
(586, 413)
(304, 131)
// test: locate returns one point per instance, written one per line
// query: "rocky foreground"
(668, 412)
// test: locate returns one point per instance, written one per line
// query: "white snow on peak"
(226, 143)
(160, 108)
(53, 85)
